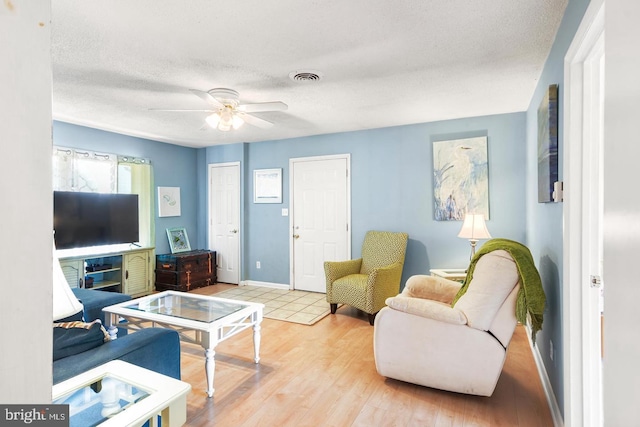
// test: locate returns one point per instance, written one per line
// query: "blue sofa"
(157, 349)
(94, 301)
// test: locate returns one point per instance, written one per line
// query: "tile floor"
(292, 306)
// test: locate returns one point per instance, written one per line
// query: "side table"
(455, 274)
(119, 394)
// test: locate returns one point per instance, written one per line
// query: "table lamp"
(474, 229)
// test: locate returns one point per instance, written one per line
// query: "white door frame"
(292, 161)
(579, 380)
(210, 238)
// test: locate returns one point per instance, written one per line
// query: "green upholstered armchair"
(366, 283)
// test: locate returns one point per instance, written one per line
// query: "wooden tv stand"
(128, 271)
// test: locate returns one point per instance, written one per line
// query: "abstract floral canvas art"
(460, 178)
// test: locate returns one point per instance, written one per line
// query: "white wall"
(26, 202)
(622, 214)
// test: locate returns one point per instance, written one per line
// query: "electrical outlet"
(551, 349)
(257, 264)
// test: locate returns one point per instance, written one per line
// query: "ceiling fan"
(228, 113)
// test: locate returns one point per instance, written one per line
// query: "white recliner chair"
(420, 338)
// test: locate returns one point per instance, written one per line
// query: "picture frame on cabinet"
(178, 239)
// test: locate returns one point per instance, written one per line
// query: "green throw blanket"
(531, 297)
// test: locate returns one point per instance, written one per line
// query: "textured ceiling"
(384, 63)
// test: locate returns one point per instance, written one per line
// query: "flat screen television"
(94, 219)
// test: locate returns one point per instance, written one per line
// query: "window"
(78, 170)
(82, 170)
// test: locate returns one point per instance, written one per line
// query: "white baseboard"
(264, 284)
(556, 415)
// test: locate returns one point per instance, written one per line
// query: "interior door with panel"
(224, 219)
(320, 218)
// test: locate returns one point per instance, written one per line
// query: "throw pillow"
(75, 337)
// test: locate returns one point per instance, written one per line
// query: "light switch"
(285, 212)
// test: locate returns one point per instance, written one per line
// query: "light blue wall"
(391, 187)
(544, 220)
(173, 166)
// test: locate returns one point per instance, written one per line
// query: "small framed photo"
(267, 186)
(178, 239)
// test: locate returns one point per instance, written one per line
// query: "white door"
(593, 211)
(224, 219)
(583, 214)
(320, 218)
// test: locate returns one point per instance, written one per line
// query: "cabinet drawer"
(183, 288)
(181, 277)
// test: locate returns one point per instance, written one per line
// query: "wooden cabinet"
(103, 272)
(73, 270)
(129, 272)
(185, 271)
(137, 273)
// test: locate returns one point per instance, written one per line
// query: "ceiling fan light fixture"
(213, 120)
(226, 119)
(226, 111)
(237, 121)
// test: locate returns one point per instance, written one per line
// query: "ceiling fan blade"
(262, 106)
(165, 109)
(206, 97)
(255, 121)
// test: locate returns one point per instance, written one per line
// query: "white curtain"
(87, 171)
(140, 182)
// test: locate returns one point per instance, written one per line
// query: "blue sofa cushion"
(76, 337)
(157, 349)
(94, 301)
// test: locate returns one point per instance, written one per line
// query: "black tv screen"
(94, 219)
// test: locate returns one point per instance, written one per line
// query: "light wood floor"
(324, 375)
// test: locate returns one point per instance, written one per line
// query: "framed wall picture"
(178, 239)
(168, 201)
(267, 185)
(460, 178)
(548, 144)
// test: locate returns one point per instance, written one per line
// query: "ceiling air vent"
(305, 76)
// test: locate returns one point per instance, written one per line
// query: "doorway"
(583, 213)
(320, 218)
(224, 219)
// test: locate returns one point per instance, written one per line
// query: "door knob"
(234, 231)
(296, 236)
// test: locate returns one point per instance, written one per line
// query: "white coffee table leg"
(113, 332)
(256, 342)
(210, 367)
(111, 327)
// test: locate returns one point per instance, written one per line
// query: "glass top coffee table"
(121, 394)
(199, 319)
